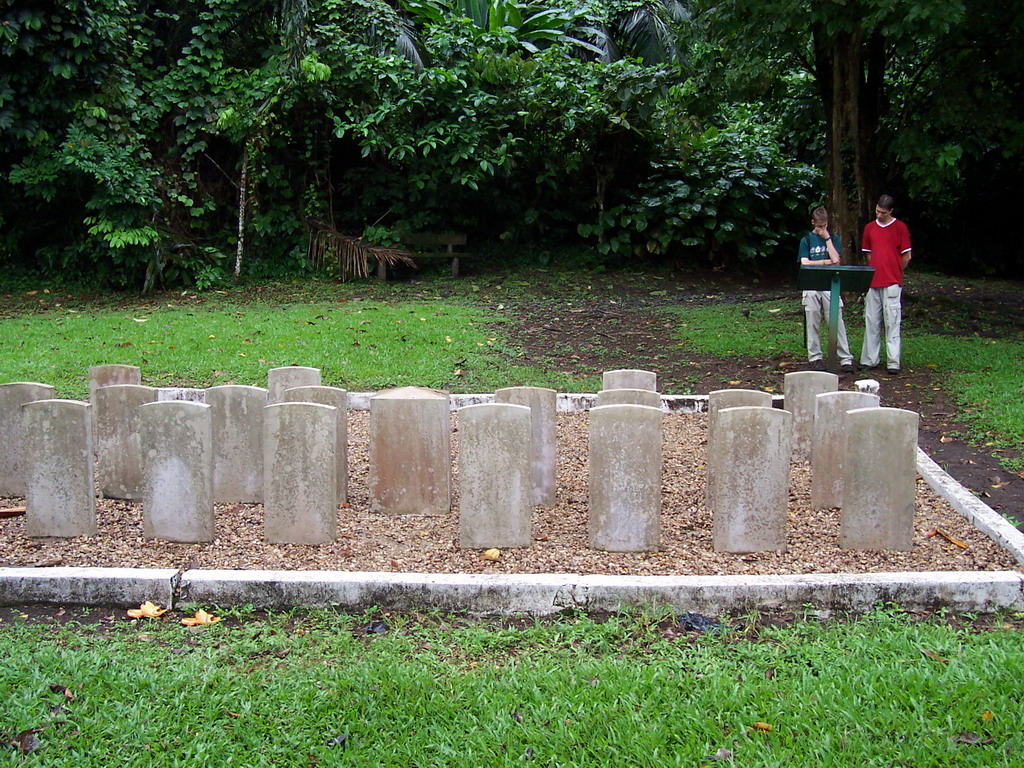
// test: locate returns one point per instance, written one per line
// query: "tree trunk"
(243, 205)
(849, 71)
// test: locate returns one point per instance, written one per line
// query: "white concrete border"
(550, 593)
(986, 519)
(87, 586)
(978, 591)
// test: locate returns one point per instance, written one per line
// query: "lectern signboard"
(834, 278)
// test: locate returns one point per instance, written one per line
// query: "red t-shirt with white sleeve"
(887, 244)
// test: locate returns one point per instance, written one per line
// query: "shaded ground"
(613, 321)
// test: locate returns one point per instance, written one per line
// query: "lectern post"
(834, 278)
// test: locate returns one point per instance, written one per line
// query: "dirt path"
(612, 321)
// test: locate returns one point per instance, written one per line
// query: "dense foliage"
(178, 142)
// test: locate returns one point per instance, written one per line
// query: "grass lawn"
(318, 688)
(984, 374)
(361, 345)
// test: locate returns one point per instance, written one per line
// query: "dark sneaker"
(846, 368)
(893, 371)
(868, 367)
(816, 365)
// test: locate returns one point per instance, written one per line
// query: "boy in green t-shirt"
(820, 248)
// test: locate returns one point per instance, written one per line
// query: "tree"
(850, 49)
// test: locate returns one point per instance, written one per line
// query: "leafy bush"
(730, 196)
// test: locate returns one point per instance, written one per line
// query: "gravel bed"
(370, 542)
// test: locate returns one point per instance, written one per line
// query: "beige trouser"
(882, 307)
(817, 305)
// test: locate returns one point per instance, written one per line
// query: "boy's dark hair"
(886, 202)
(820, 214)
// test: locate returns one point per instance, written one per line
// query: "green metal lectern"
(834, 278)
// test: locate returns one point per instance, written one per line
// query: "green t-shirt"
(813, 247)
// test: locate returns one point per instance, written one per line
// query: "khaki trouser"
(882, 307)
(817, 305)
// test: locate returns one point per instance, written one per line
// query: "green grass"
(312, 689)
(357, 344)
(982, 374)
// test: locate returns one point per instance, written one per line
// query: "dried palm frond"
(351, 256)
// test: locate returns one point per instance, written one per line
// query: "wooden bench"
(447, 240)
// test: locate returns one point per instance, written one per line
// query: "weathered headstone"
(495, 489)
(177, 467)
(870, 386)
(59, 495)
(410, 452)
(800, 390)
(750, 487)
(647, 397)
(109, 375)
(625, 478)
(717, 401)
(735, 398)
(629, 378)
(188, 394)
(543, 405)
(879, 484)
(289, 376)
(118, 451)
(338, 399)
(301, 486)
(828, 452)
(237, 415)
(12, 449)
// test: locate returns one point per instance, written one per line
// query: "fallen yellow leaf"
(202, 618)
(987, 716)
(491, 554)
(763, 727)
(147, 610)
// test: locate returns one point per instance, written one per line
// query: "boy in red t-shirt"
(886, 240)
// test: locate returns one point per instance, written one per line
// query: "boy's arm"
(833, 251)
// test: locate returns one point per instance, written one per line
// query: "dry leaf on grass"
(201, 619)
(763, 727)
(148, 610)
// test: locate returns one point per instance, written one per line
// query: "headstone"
(495, 489)
(188, 394)
(800, 390)
(879, 484)
(336, 398)
(12, 449)
(237, 416)
(410, 452)
(625, 478)
(735, 398)
(718, 400)
(828, 451)
(301, 486)
(647, 397)
(177, 468)
(871, 386)
(543, 405)
(750, 489)
(629, 378)
(118, 450)
(109, 375)
(289, 376)
(59, 495)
